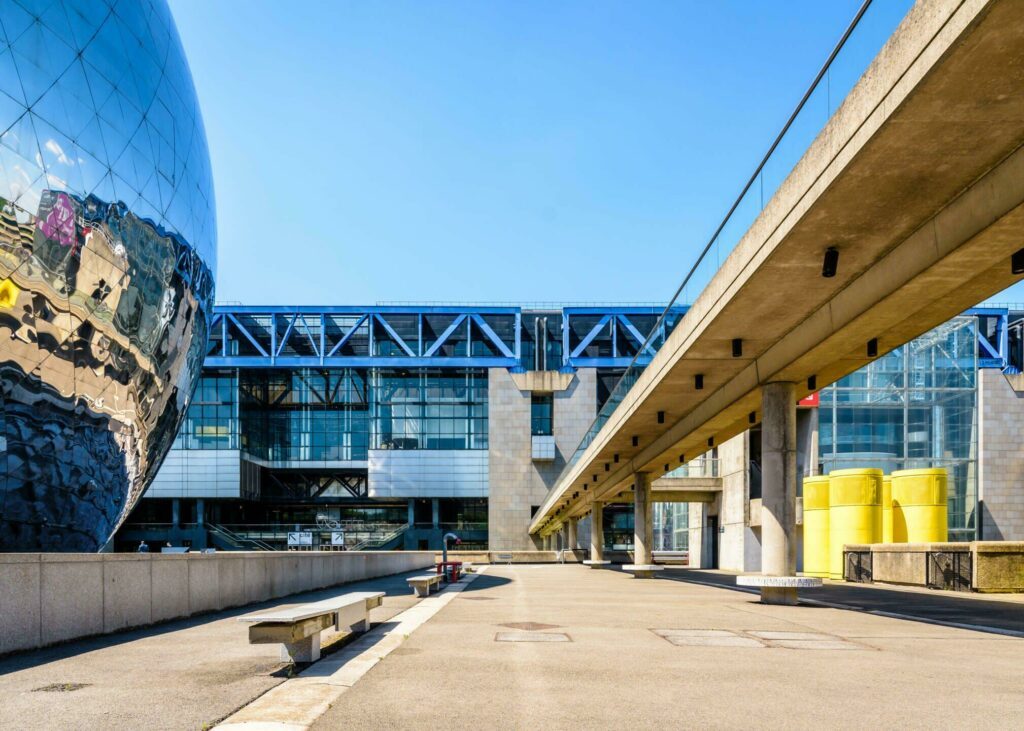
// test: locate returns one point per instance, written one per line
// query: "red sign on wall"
(809, 402)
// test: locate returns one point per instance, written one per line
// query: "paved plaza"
(553, 646)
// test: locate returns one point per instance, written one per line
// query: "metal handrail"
(628, 378)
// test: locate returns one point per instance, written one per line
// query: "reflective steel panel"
(107, 258)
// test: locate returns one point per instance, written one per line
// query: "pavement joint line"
(878, 612)
(298, 702)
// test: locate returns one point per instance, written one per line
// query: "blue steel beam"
(258, 325)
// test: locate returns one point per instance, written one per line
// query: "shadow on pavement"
(394, 585)
(985, 615)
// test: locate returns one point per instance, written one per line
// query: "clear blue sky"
(487, 151)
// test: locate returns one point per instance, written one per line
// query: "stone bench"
(779, 589)
(297, 629)
(642, 570)
(597, 564)
(421, 585)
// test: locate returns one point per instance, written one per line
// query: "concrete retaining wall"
(996, 566)
(51, 598)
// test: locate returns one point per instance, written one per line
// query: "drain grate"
(531, 637)
(530, 626)
(61, 687)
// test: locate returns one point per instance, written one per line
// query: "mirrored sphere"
(107, 259)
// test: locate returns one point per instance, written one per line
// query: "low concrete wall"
(50, 598)
(484, 557)
(996, 566)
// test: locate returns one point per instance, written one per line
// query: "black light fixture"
(636, 441)
(812, 383)
(711, 441)
(666, 466)
(737, 347)
(873, 348)
(698, 381)
(615, 458)
(752, 417)
(1017, 262)
(682, 458)
(661, 417)
(584, 488)
(595, 477)
(607, 467)
(831, 263)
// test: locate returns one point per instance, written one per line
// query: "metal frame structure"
(399, 336)
(992, 354)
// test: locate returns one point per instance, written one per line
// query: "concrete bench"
(642, 570)
(597, 564)
(506, 557)
(421, 585)
(297, 629)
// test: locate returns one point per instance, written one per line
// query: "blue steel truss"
(610, 337)
(415, 337)
(993, 336)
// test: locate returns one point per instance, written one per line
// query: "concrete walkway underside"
(549, 646)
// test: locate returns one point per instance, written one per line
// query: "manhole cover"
(60, 687)
(531, 637)
(530, 626)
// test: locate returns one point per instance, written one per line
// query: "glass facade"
(914, 407)
(107, 262)
(542, 414)
(303, 415)
(429, 409)
(671, 526)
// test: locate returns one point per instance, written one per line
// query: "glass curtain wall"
(671, 526)
(429, 409)
(914, 407)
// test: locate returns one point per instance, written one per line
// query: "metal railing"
(709, 467)
(837, 76)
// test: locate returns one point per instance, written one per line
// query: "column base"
(642, 571)
(775, 595)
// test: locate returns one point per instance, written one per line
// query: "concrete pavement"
(722, 667)
(181, 675)
(552, 646)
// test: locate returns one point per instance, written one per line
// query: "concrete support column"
(435, 510)
(643, 534)
(175, 513)
(200, 512)
(572, 524)
(643, 520)
(412, 512)
(778, 489)
(597, 532)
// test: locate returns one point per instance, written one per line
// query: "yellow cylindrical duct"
(887, 509)
(855, 504)
(919, 513)
(816, 520)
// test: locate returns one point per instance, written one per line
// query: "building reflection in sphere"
(107, 259)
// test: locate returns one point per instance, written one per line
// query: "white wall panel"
(428, 473)
(198, 473)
